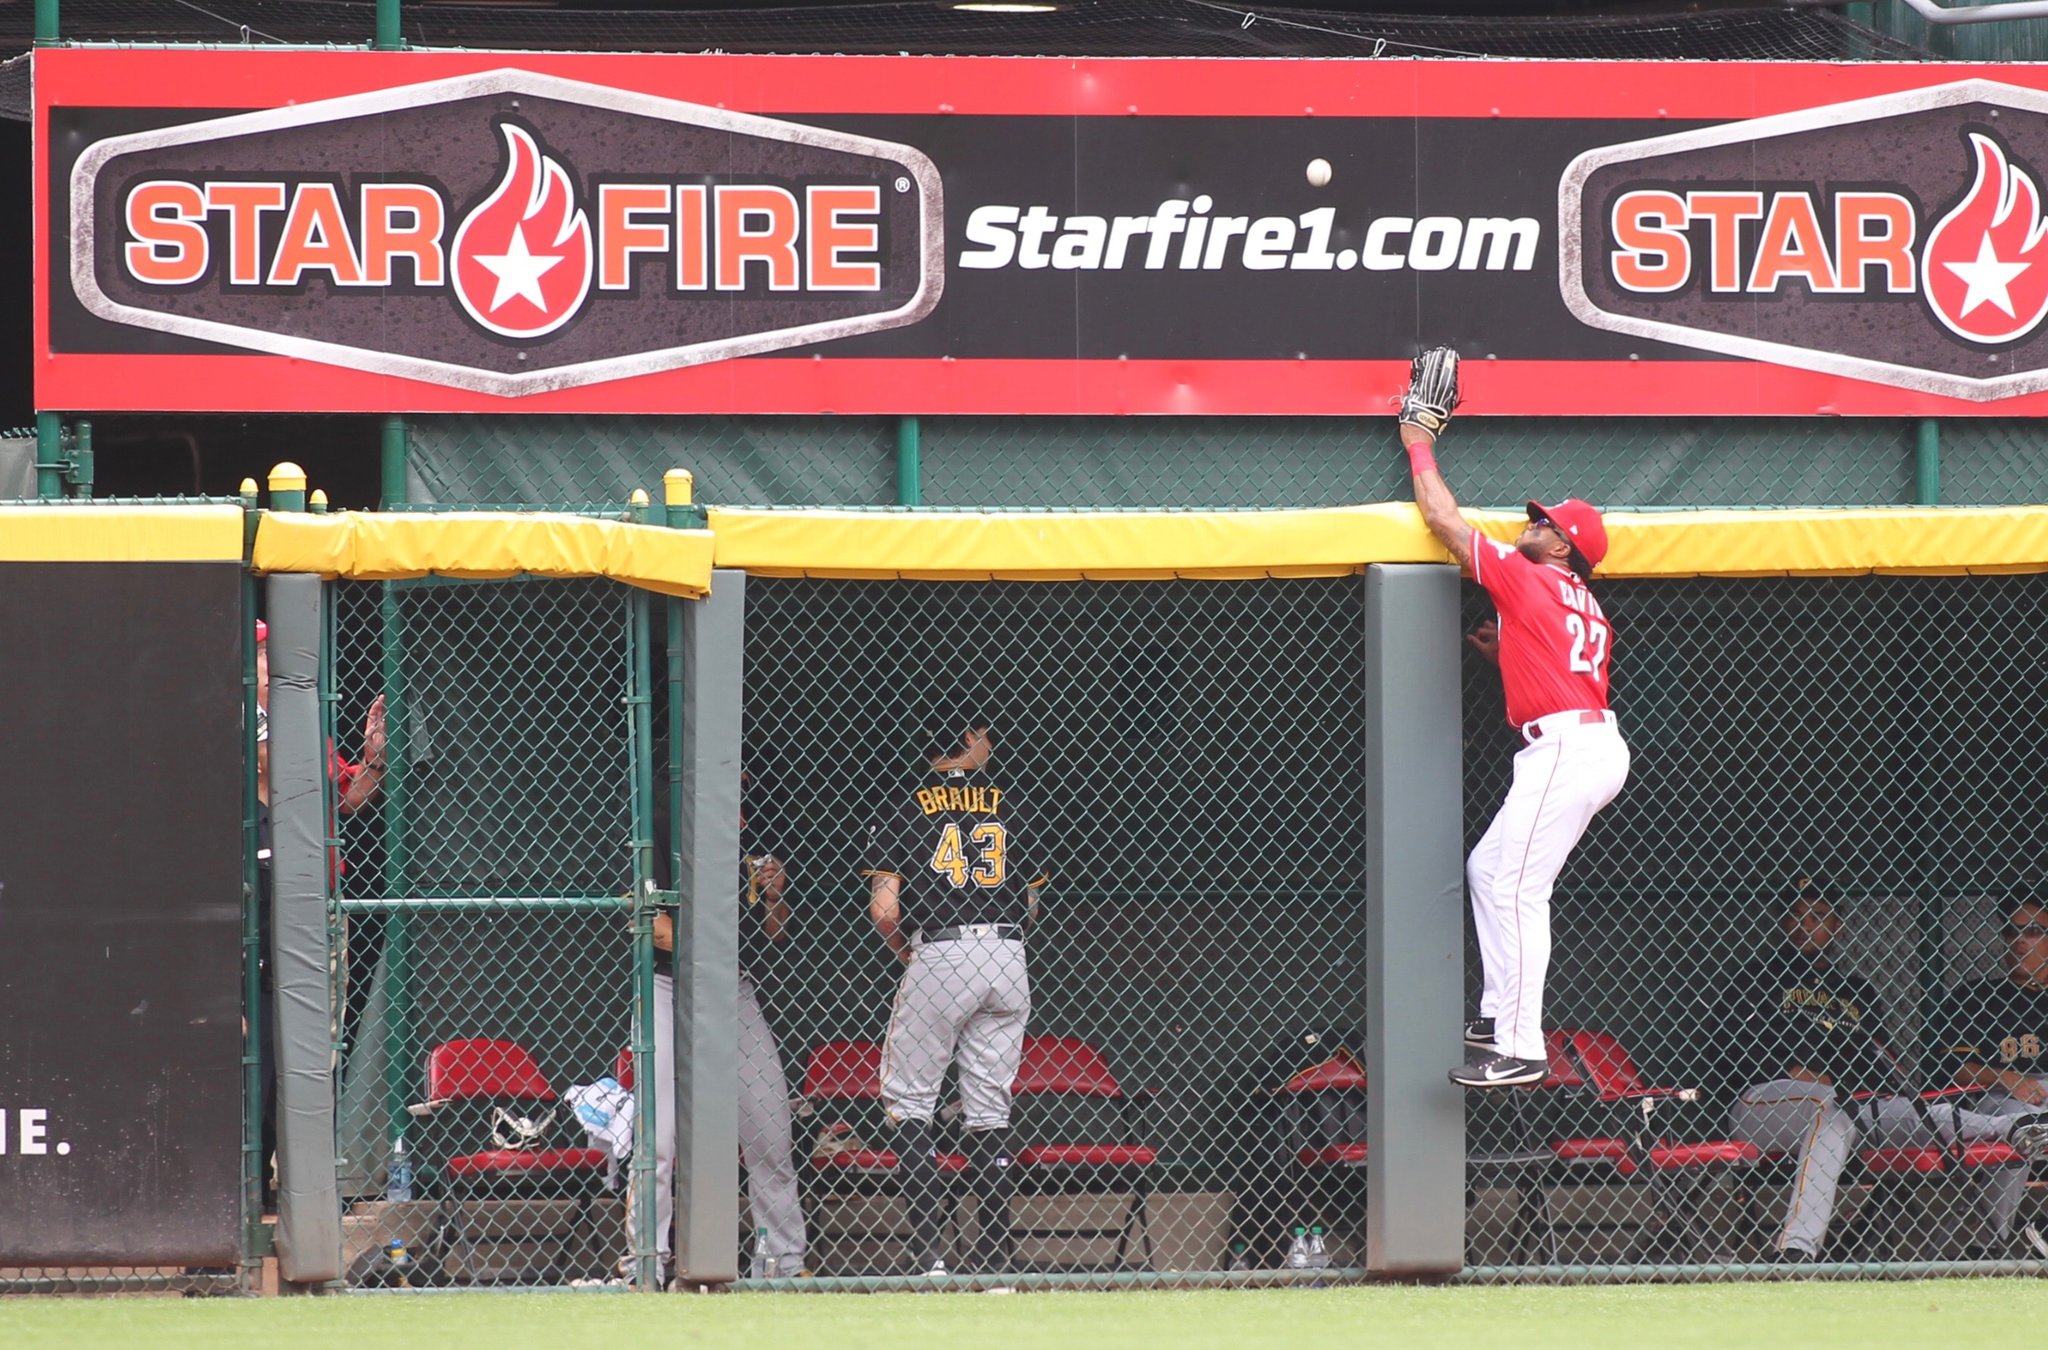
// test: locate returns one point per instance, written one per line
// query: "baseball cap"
(1581, 524)
(262, 631)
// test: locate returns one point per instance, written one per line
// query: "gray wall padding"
(308, 1210)
(707, 949)
(1415, 925)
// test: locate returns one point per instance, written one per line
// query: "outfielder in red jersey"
(1554, 648)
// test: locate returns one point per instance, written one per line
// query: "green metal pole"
(399, 1031)
(640, 717)
(397, 447)
(49, 452)
(252, 950)
(81, 462)
(46, 22)
(1927, 463)
(909, 462)
(389, 36)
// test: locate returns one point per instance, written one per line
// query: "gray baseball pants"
(972, 995)
(764, 1132)
(1789, 1116)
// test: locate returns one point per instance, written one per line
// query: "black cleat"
(1499, 1071)
(1791, 1256)
(1479, 1033)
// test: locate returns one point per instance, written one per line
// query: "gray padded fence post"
(707, 940)
(1414, 808)
(308, 1207)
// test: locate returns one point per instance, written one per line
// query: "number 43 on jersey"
(975, 854)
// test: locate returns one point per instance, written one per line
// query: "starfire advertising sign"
(423, 232)
(1897, 239)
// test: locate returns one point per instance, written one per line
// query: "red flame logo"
(1986, 264)
(523, 256)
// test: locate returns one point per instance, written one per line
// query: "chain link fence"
(1826, 866)
(483, 958)
(1223, 463)
(1791, 946)
(1185, 752)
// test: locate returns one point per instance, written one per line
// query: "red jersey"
(1554, 639)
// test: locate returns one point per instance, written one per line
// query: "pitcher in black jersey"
(953, 878)
(1991, 1034)
(1823, 1083)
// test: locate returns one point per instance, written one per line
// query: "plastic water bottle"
(1240, 1256)
(398, 1266)
(764, 1264)
(1297, 1250)
(398, 1183)
(1318, 1254)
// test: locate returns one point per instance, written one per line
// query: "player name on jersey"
(978, 801)
(1576, 597)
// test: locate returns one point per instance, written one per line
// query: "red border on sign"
(1081, 388)
(1022, 86)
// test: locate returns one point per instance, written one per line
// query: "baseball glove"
(1432, 390)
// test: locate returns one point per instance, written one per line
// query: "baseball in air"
(1318, 172)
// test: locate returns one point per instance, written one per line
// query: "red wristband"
(1421, 458)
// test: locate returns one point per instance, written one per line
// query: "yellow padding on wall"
(482, 545)
(1899, 540)
(1063, 546)
(1140, 545)
(82, 533)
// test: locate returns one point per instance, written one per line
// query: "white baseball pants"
(1567, 772)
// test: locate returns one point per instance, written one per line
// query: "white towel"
(605, 1111)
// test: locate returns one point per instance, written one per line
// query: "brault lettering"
(980, 801)
(1182, 234)
(1752, 243)
(719, 238)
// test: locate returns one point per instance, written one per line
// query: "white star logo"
(519, 270)
(1989, 280)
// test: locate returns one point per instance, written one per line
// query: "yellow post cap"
(639, 497)
(679, 487)
(287, 477)
(318, 501)
(248, 487)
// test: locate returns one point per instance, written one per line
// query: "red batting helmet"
(1581, 524)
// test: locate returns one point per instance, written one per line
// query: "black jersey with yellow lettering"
(960, 844)
(2000, 1024)
(1801, 1011)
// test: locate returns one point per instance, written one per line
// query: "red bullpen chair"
(1897, 1174)
(844, 1078)
(1677, 1171)
(1069, 1068)
(496, 1084)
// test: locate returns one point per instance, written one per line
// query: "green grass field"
(1994, 1312)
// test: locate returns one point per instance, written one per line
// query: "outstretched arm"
(1433, 495)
